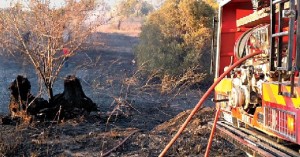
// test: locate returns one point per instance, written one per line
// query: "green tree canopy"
(175, 37)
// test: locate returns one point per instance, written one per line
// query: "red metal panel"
(229, 31)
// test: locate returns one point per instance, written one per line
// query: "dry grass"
(128, 28)
(177, 84)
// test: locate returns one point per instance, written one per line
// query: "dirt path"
(106, 74)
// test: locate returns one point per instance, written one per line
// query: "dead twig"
(120, 144)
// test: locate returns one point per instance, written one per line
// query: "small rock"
(91, 133)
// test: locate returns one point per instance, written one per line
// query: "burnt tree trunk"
(72, 102)
(22, 103)
(50, 92)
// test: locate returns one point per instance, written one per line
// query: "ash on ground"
(133, 120)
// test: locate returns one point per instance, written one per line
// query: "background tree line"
(127, 9)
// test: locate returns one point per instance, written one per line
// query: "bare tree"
(40, 33)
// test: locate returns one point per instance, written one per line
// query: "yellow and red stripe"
(270, 94)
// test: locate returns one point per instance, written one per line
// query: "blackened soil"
(133, 119)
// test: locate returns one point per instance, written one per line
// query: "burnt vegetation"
(71, 103)
(126, 90)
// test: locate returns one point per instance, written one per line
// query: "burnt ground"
(130, 112)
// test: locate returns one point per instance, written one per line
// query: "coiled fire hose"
(199, 104)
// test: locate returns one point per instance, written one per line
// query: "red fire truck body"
(264, 91)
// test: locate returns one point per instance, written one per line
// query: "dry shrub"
(188, 79)
(40, 33)
(168, 83)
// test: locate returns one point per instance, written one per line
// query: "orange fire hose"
(212, 131)
(199, 104)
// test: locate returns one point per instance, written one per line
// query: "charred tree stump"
(23, 104)
(73, 102)
(70, 104)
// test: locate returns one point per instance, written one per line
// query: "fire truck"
(264, 91)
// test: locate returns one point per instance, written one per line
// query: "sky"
(6, 3)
